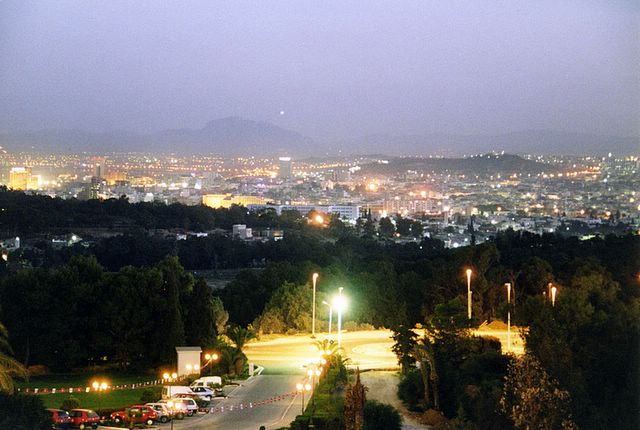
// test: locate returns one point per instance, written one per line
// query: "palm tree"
(326, 347)
(423, 353)
(9, 366)
(240, 336)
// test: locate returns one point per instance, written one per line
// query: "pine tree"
(354, 400)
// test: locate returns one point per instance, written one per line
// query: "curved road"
(284, 359)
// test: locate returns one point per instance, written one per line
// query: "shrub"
(379, 416)
(411, 390)
(22, 412)
(151, 395)
(70, 403)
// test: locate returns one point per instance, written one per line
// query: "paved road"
(286, 355)
(283, 359)
(382, 386)
(253, 414)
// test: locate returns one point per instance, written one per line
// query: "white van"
(207, 381)
(169, 391)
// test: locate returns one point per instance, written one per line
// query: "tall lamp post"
(99, 387)
(508, 285)
(301, 389)
(330, 314)
(339, 304)
(313, 310)
(210, 359)
(469, 272)
(170, 406)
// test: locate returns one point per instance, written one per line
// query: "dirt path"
(382, 386)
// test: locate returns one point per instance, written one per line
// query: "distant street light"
(330, 314)
(313, 310)
(553, 295)
(469, 272)
(339, 304)
(508, 285)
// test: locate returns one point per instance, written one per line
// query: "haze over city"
(328, 215)
(337, 73)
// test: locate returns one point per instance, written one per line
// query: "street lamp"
(509, 316)
(554, 290)
(313, 310)
(170, 406)
(301, 388)
(330, 314)
(313, 374)
(469, 272)
(100, 386)
(210, 358)
(339, 304)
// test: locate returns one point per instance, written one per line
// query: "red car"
(60, 418)
(139, 414)
(84, 418)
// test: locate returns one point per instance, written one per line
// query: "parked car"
(163, 411)
(205, 393)
(83, 418)
(178, 410)
(138, 414)
(169, 391)
(191, 405)
(207, 381)
(60, 418)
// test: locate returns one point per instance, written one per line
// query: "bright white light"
(339, 303)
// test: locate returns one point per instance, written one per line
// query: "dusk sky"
(327, 69)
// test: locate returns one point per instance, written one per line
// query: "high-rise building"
(285, 170)
(100, 167)
(19, 178)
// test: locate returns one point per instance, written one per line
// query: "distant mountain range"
(234, 136)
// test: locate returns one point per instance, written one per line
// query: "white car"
(162, 409)
(179, 409)
(190, 405)
(205, 393)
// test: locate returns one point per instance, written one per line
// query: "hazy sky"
(337, 69)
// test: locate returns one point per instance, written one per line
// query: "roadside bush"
(356, 326)
(379, 416)
(70, 403)
(411, 390)
(151, 395)
(22, 412)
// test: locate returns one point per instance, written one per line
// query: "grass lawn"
(105, 400)
(81, 380)
(101, 400)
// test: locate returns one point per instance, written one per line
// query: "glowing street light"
(508, 285)
(313, 310)
(554, 290)
(170, 406)
(100, 386)
(330, 314)
(469, 272)
(210, 358)
(340, 304)
(301, 388)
